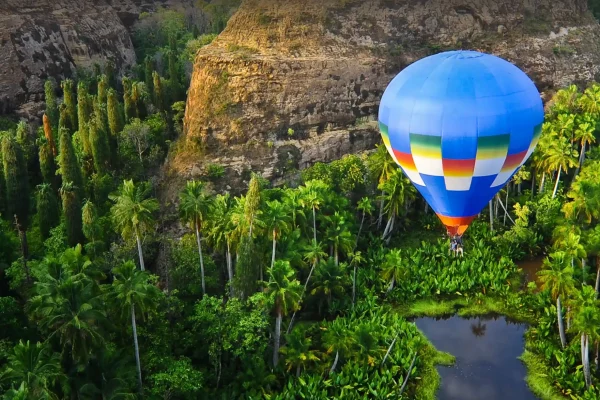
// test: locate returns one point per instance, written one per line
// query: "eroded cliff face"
(291, 83)
(51, 38)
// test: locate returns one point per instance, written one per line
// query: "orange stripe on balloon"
(458, 168)
(513, 161)
(405, 160)
(456, 225)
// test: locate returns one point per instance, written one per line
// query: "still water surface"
(486, 351)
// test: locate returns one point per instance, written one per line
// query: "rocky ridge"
(291, 83)
(52, 38)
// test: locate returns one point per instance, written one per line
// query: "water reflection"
(486, 351)
(479, 328)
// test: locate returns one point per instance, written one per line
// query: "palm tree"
(394, 268)
(220, 230)
(572, 246)
(36, 368)
(313, 193)
(366, 207)
(277, 219)
(337, 338)
(297, 350)
(293, 198)
(68, 306)
(131, 290)
(584, 134)
(557, 276)
(356, 259)
(592, 246)
(584, 195)
(589, 102)
(314, 252)
(133, 212)
(586, 321)
(400, 193)
(330, 281)
(561, 156)
(381, 166)
(194, 207)
(338, 234)
(285, 291)
(565, 101)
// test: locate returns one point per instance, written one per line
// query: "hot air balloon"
(460, 124)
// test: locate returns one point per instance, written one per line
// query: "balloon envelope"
(460, 124)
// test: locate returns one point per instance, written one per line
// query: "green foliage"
(71, 205)
(47, 209)
(51, 104)
(69, 167)
(215, 171)
(16, 181)
(70, 109)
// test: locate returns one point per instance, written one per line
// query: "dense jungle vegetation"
(300, 291)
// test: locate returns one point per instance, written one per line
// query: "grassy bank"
(537, 377)
(430, 378)
(466, 307)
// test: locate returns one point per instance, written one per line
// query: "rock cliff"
(51, 38)
(291, 83)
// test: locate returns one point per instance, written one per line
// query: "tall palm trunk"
(354, 284)
(557, 181)
(335, 361)
(585, 359)
(274, 246)
(561, 327)
(391, 287)
(137, 349)
(201, 260)
(597, 287)
(505, 211)
(381, 204)
(139, 246)
(388, 228)
(24, 251)
(314, 224)
(302, 295)
(277, 336)
(581, 159)
(229, 269)
(491, 217)
(542, 182)
(336, 255)
(362, 221)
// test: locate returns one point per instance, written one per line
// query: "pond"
(486, 351)
(530, 269)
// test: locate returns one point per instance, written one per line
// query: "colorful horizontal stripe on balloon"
(458, 168)
(426, 146)
(513, 161)
(489, 147)
(384, 133)
(456, 225)
(405, 160)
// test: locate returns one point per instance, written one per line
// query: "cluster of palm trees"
(78, 310)
(569, 131)
(565, 142)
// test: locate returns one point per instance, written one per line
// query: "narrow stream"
(486, 351)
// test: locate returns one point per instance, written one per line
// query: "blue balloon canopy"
(460, 124)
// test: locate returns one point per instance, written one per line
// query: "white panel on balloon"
(502, 178)
(414, 176)
(458, 184)
(429, 166)
(487, 167)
